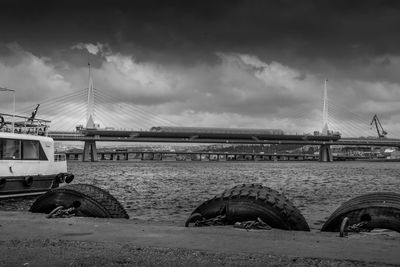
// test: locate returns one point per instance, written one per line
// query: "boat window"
(30, 149)
(11, 149)
(42, 154)
(21, 149)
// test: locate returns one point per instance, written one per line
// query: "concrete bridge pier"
(325, 153)
(90, 151)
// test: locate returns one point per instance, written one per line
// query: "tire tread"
(109, 203)
(258, 194)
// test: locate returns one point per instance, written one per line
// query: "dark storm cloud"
(225, 63)
(182, 30)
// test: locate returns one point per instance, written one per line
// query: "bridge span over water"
(113, 113)
(90, 137)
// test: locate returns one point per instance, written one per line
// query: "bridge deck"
(154, 137)
(184, 136)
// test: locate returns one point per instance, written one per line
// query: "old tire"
(381, 210)
(193, 218)
(251, 201)
(95, 202)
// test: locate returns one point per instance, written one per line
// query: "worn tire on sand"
(381, 210)
(251, 201)
(94, 201)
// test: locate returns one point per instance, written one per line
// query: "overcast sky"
(253, 64)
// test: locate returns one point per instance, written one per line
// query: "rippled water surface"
(169, 191)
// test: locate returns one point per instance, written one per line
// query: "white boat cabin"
(28, 164)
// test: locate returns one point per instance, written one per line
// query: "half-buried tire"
(380, 210)
(248, 202)
(94, 201)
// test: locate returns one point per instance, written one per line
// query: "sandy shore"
(28, 239)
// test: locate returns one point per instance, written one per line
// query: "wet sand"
(28, 239)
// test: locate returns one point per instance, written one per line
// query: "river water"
(170, 191)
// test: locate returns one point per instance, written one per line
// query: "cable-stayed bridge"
(77, 117)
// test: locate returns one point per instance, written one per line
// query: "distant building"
(395, 155)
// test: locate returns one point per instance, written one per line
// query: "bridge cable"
(134, 108)
(122, 117)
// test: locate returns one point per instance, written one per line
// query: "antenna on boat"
(13, 113)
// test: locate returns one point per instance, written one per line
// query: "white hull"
(28, 165)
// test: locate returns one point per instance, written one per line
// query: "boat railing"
(60, 157)
(23, 125)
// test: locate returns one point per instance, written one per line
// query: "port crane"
(379, 129)
(34, 113)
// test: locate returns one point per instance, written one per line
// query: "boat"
(28, 164)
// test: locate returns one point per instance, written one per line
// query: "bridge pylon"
(325, 153)
(90, 149)
(325, 128)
